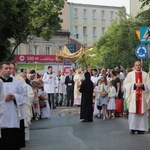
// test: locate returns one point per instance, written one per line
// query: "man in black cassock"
(86, 89)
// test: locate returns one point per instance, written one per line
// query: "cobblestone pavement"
(63, 111)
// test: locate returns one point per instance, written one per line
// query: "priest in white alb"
(2, 103)
(137, 86)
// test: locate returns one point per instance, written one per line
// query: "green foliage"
(5, 53)
(143, 18)
(21, 18)
(45, 17)
(144, 2)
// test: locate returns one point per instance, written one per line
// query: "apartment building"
(135, 7)
(88, 22)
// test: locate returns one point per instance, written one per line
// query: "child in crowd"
(36, 106)
(44, 105)
(96, 112)
(111, 98)
(103, 98)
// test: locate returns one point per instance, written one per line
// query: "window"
(94, 31)
(75, 30)
(111, 15)
(76, 12)
(17, 50)
(94, 14)
(103, 31)
(84, 30)
(36, 49)
(60, 47)
(84, 13)
(48, 50)
(103, 14)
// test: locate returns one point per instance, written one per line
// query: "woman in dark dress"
(86, 89)
(119, 94)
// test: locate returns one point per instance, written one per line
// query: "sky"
(105, 2)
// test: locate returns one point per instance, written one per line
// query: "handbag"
(103, 93)
(42, 104)
(119, 105)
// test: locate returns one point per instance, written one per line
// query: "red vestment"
(138, 78)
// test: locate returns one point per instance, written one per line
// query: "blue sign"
(145, 35)
(141, 51)
(67, 63)
(71, 47)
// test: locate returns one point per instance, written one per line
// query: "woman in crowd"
(119, 94)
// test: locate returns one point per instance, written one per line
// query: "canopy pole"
(63, 65)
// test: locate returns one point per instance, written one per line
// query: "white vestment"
(11, 117)
(28, 110)
(28, 105)
(78, 77)
(50, 82)
(137, 121)
(23, 84)
(2, 103)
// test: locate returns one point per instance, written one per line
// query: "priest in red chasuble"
(137, 86)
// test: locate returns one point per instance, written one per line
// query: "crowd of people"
(118, 93)
(101, 93)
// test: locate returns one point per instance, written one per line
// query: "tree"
(144, 2)
(21, 18)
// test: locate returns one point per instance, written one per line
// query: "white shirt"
(61, 84)
(94, 79)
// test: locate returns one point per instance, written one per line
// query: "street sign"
(67, 63)
(141, 51)
(66, 69)
(71, 47)
(138, 34)
(145, 35)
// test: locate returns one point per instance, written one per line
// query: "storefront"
(41, 62)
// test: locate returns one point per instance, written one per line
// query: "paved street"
(65, 131)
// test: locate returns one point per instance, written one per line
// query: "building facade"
(41, 52)
(37, 45)
(88, 22)
(135, 7)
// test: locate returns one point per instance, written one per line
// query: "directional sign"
(145, 35)
(141, 51)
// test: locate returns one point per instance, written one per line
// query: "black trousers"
(51, 100)
(22, 134)
(70, 95)
(10, 139)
